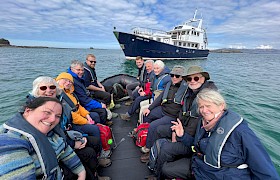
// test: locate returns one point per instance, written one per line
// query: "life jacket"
(179, 95)
(39, 141)
(190, 106)
(156, 82)
(142, 74)
(68, 107)
(92, 74)
(218, 138)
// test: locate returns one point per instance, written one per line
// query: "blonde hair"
(90, 55)
(212, 96)
(43, 79)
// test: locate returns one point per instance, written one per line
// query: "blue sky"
(89, 23)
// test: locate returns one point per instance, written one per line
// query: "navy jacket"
(80, 90)
(242, 146)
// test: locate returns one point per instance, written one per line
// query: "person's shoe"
(151, 177)
(125, 117)
(114, 115)
(111, 105)
(145, 158)
(105, 154)
(117, 106)
(104, 162)
(128, 103)
(109, 123)
(144, 149)
(104, 178)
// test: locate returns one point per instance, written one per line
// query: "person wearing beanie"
(82, 121)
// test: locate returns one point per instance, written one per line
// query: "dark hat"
(197, 70)
(178, 70)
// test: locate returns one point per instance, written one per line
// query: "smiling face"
(209, 109)
(44, 118)
(91, 61)
(195, 81)
(157, 69)
(78, 70)
(47, 90)
(149, 67)
(139, 62)
(65, 83)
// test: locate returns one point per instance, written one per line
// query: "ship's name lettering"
(142, 39)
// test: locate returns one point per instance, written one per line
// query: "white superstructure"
(186, 35)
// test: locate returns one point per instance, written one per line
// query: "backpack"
(154, 152)
(140, 135)
(118, 91)
(105, 136)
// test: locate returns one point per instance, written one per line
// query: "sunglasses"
(92, 62)
(175, 75)
(196, 78)
(43, 88)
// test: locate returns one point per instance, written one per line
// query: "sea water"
(249, 81)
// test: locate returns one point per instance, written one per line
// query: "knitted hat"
(65, 75)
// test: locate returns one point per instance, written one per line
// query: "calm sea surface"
(249, 81)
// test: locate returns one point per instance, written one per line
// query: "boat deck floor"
(125, 158)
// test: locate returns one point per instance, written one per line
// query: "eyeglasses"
(92, 62)
(43, 88)
(175, 75)
(196, 78)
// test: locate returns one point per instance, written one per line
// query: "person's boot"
(125, 117)
(104, 162)
(129, 102)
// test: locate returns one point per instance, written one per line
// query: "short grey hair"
(76, 63)
(149, 61)
(211, 95)
(160, 64)
(43, 79)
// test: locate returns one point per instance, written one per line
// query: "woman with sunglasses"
(197, 79)
(165, 108)
(32, 145)
(224, 147)
(45, 86)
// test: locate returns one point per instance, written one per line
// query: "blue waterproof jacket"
(80, 90)
(241, 147)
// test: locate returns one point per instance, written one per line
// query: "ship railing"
(147, 31)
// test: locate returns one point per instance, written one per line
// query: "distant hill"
(4, 42)
(251, 51)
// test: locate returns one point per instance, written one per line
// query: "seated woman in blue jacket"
(224, 146)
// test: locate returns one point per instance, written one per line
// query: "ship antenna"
(194, 16)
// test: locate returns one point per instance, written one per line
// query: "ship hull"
(133, 45)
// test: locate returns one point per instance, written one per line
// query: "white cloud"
(85, 22)
(264, 47)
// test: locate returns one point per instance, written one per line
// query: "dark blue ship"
(185, 41)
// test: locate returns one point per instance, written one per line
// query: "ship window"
(183, 32)
(189, 45)
(179, 43)
(197, 33)
(188, 32)
(184, 44)
(192, 45)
